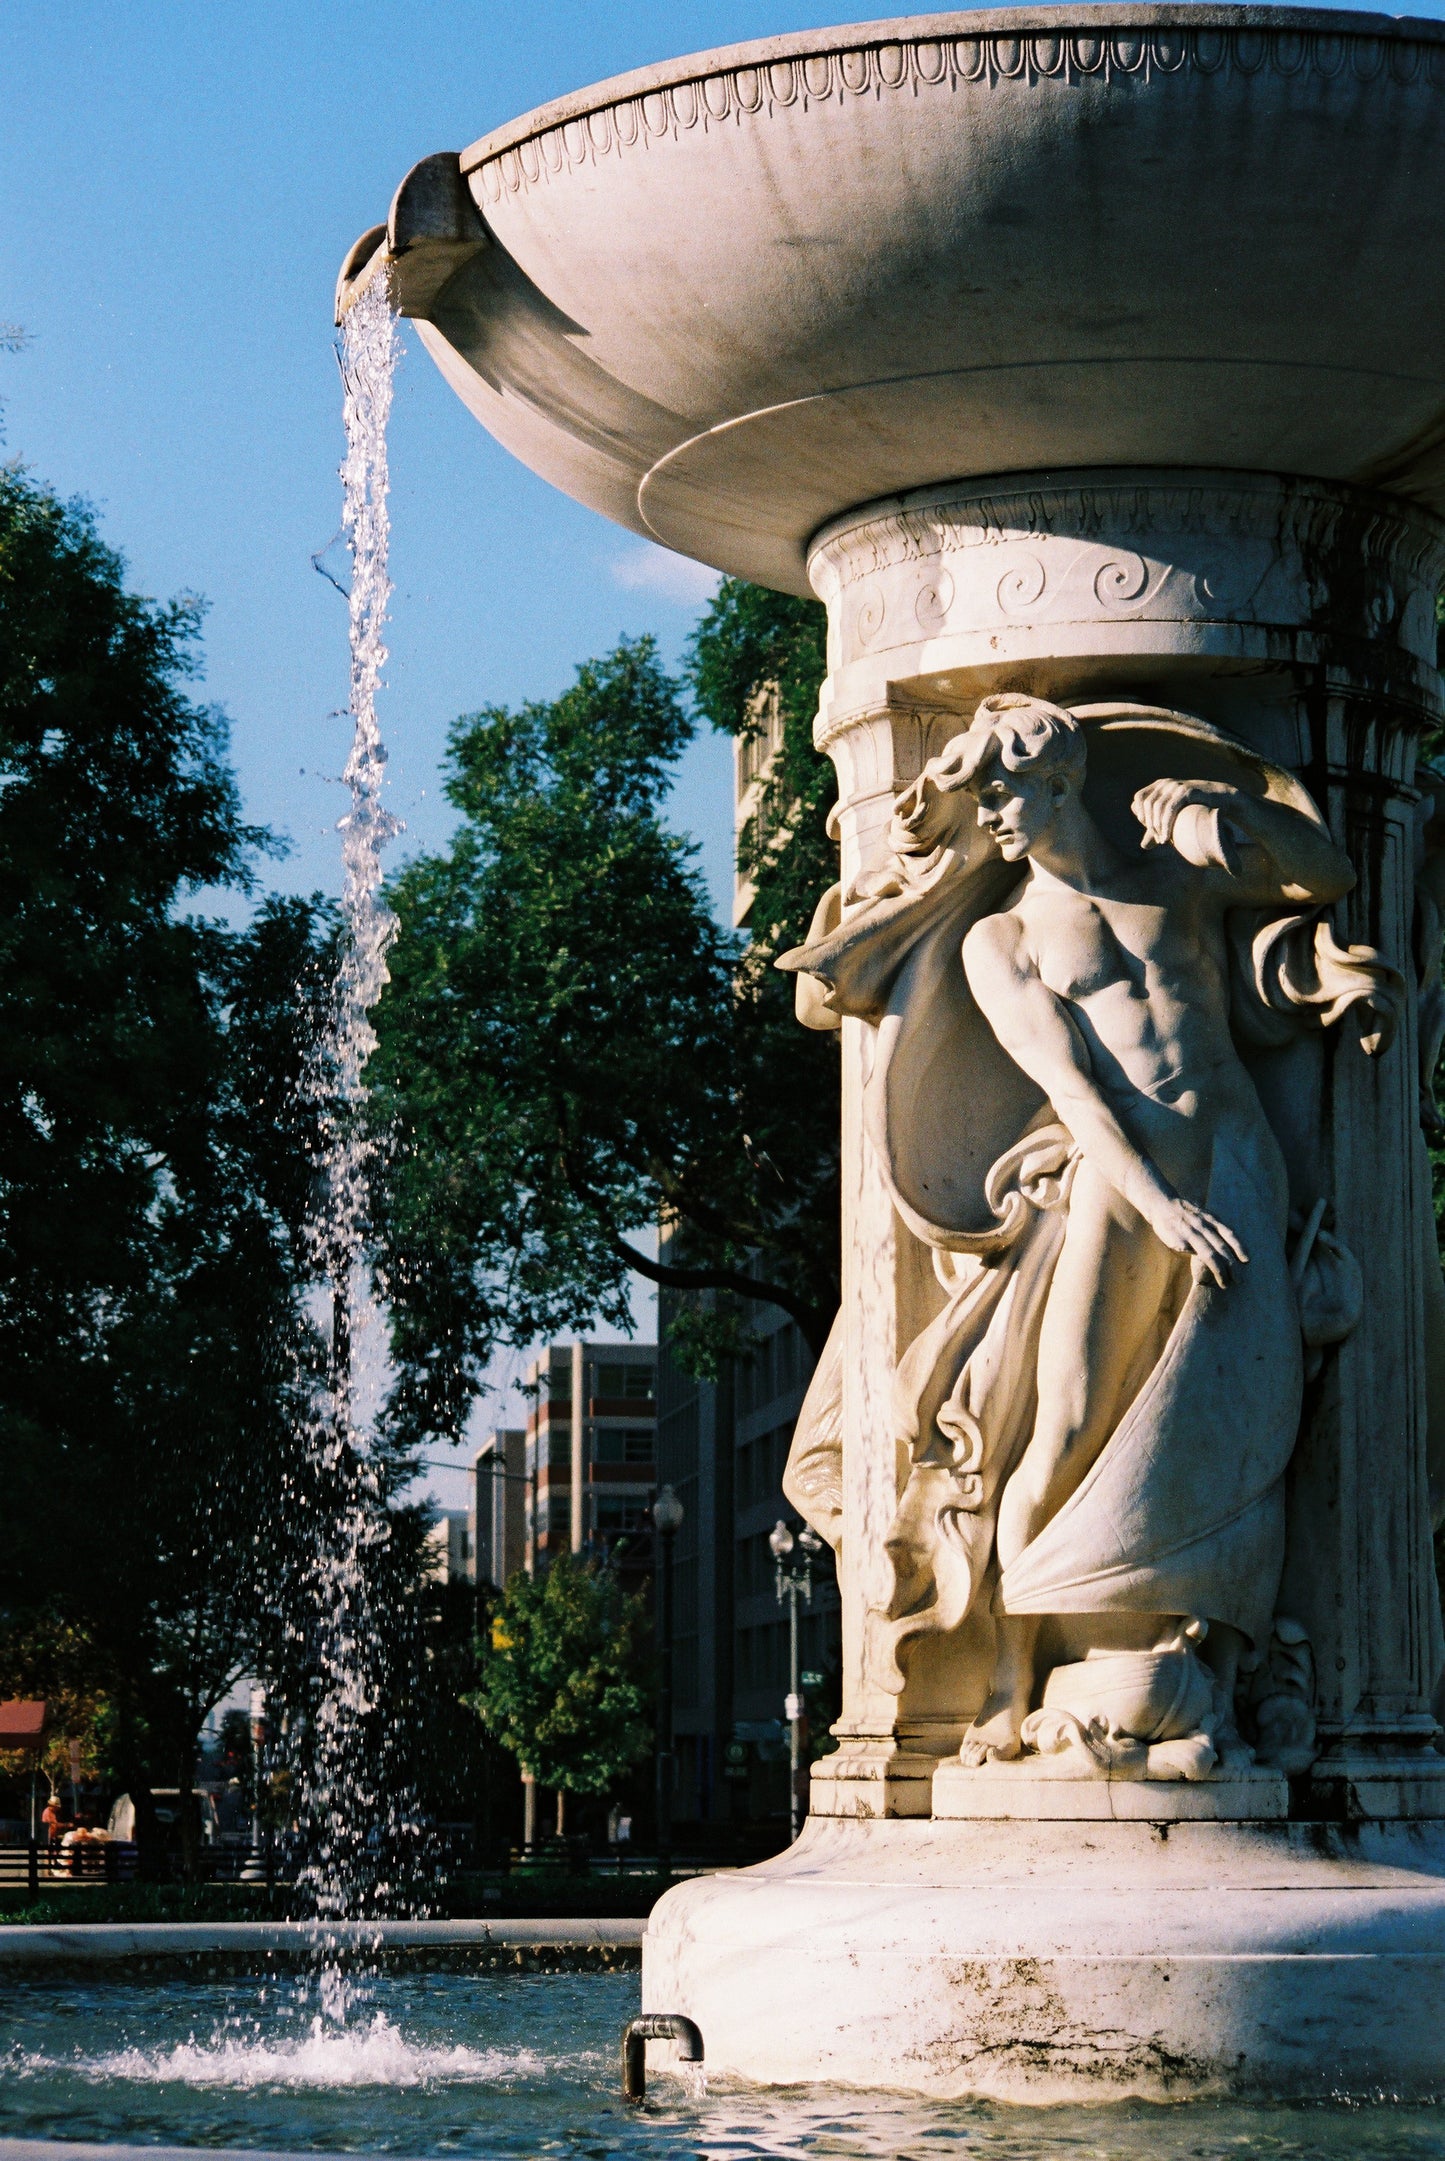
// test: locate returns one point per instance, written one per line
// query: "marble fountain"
(1089, 363)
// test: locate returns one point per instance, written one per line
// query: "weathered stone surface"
(1066, 1962)
(1047, 1789)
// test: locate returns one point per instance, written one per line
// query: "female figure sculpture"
(1099, 1417)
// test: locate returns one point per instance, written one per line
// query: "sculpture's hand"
(1270, 851)
(1184, 1228)
(1157, 806)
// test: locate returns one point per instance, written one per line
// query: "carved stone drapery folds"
(1191, 620)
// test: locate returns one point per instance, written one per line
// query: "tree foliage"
(556, 1013)
(51, 1659)
(572, 1048)
(755, 665)
(565, 1676)
(154, 1159)
(754, 651)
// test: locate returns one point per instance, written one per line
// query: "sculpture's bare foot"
(994, 1736)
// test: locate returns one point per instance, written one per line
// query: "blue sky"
(181, 179)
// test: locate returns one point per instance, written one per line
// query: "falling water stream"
(351, 1802)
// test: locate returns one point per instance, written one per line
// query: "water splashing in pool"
(369, 2052)
(692, 2078)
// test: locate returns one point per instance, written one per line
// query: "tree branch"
(809, 1319)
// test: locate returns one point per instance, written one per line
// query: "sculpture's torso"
(1143, 970)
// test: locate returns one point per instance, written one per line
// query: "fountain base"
(1063, 1962)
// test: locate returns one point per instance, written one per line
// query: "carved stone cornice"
(941, 55)
(910, 723)
(1251, 555)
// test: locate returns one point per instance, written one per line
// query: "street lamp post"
(792, 1580)
(667, 1521)
(255, 1868)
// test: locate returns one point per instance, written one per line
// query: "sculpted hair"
(1025, 734)
(1031, 736)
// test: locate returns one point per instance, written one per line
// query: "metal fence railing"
(32, 1867)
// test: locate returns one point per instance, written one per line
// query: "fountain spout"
(432, 230)
(655, 2026)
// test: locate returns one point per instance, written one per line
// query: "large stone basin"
(726, 299)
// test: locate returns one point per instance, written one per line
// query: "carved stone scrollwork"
(868, 621)
(1244, 553)
(1120, 581)
(1021, 588)
(935, 598)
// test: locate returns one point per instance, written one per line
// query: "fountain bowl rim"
(999, 22)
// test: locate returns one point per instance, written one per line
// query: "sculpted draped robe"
(1183, 1511)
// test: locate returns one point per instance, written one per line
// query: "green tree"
(456, 1759)
(237, 1750)
(571, 1047)
(755, 665)
(565, 1676)
(757, 653)
(537, 1090)
(154, 1160)
(50, 1659)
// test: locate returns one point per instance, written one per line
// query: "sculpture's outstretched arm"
(1039, 1034)
(1263, 852)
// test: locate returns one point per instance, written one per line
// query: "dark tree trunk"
(135, 1781)
(190, 1815)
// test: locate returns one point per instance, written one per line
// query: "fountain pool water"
(513, 2065)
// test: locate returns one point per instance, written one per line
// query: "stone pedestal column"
(886, 1757)
(1360, 1558)
(1050, 1959)
(1300, 616)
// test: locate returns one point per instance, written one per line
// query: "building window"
(625, 1383)
(622, 1514)
(625, 1444)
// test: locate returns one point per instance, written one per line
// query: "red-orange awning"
(22, 1724)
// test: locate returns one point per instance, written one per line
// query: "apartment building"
(723, 1445)
(589, 1453)
(451, 1547)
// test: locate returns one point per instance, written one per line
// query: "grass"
(125, 1902)
(478, 1896)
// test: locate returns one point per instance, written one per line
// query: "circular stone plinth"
(1068, 1962)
